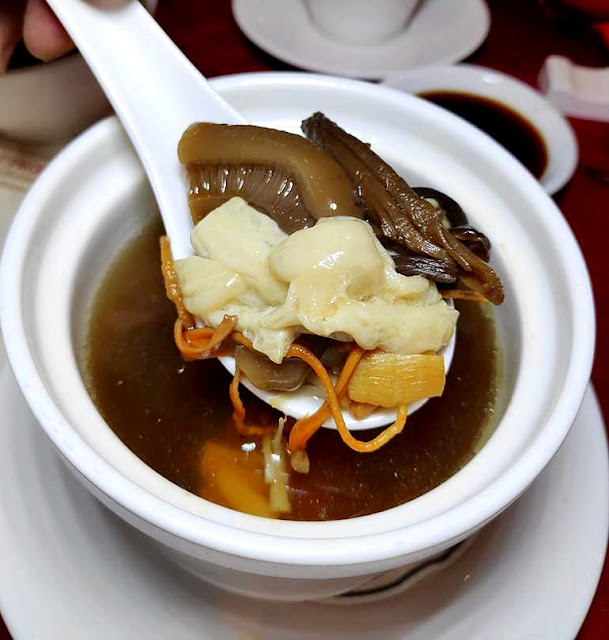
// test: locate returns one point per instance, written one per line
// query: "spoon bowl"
(154, 112)
(307, 399)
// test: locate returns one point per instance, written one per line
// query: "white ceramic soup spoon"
(157, 93)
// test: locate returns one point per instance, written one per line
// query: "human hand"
(33, 22)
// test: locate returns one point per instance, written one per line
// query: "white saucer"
(557, 133)
(70, 569)
(441, 31)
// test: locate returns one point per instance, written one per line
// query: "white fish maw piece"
(396, 328)
(273, 341)
(241, 238)
(207, 285)
(343, 283)
(334, 280)
(341, 256)
(338, 249)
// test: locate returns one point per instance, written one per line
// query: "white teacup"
(362, 21)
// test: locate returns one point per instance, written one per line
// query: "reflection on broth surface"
(166, 410)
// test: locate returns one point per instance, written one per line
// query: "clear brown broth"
(165, 410)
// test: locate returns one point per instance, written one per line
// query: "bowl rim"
(273, 546)
(554, 128)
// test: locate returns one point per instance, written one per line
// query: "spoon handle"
(154, 89)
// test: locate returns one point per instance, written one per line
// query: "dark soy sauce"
(507, 127)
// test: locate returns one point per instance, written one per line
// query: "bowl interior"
(72, 224)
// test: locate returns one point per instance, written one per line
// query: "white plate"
(441, 31)
(557, 133)
(70, 569)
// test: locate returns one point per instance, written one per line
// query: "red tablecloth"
(523, 33)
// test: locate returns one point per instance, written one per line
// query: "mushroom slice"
(457, 222)
(397, 210)
(265, 374)
(411, 264)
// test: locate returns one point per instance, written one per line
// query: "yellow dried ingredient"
(391, 379)
(235, 479)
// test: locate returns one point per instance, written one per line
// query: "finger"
(43, 34)
(11, 17)
(108, 4)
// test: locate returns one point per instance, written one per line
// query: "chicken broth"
(167, 410)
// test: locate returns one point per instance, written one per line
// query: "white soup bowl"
(94, 196)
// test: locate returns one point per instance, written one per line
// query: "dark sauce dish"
(514, 114)
(510, 129)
